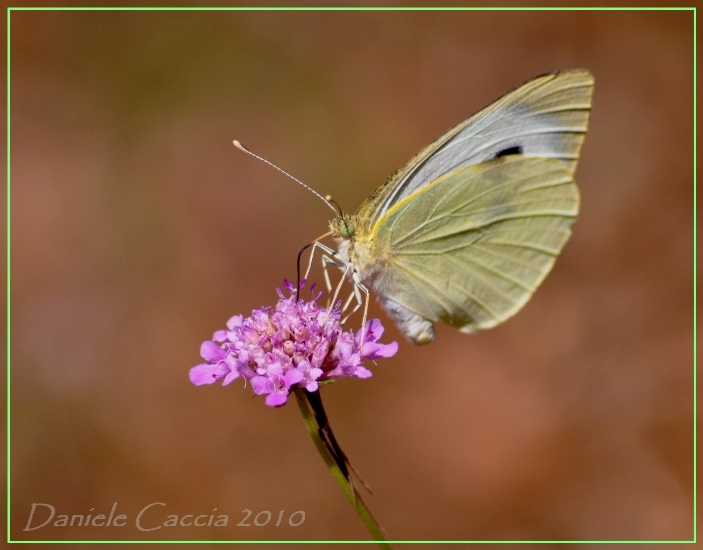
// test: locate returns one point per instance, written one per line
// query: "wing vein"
(470, 296)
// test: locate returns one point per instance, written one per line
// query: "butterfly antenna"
(330, 200)
(238, 145)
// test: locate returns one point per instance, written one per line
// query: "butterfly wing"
(470, 248)
(467, 229)
(546, 117)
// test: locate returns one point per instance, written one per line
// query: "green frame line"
(695, 271)
(341, 9)
(8, 277)
(375, 542)
(355, 8)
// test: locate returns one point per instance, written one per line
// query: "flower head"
(292, 343)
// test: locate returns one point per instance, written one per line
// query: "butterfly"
(466, 230)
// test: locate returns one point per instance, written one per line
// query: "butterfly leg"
(329, 257)
(358, 286)
(339, 286)
(354, 294)
(326, 260)
(327, 250)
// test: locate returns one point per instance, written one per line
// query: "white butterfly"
(465, 231)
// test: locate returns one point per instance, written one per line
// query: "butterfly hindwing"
(470, 248)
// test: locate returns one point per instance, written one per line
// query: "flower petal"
(293, 376)
(276, 399)
(373, 331)
(261, 385)
(314, 373)
(210, 351)
(235, 322)
(231, 377)
(361, 372)
(376, 351)
(206, 373)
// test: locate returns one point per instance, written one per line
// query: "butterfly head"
(346, 228)
(342, 227)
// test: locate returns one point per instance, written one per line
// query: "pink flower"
(293, 343)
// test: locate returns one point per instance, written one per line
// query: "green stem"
(343, 482)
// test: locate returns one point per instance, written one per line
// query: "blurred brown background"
(138, 230)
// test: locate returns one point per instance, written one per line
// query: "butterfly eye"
(346, 229)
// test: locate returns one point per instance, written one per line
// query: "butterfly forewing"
(470, 248)
(545, 117)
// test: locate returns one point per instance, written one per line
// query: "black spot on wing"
(517, 150)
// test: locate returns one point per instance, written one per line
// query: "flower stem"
(334, 458)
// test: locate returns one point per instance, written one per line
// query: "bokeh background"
(138, 230)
